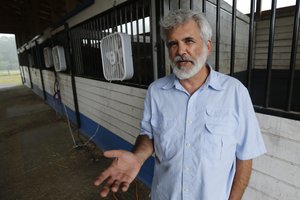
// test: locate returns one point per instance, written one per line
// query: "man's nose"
(181, 49)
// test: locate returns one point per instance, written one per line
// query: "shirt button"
(188, 145)
(189, 121)
(185, 190)
(187, 168)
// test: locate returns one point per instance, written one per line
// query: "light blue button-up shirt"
(198, 137)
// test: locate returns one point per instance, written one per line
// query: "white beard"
(188, 72)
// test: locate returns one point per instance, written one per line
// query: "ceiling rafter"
(28, 18)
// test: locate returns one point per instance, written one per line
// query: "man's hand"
(120, 173)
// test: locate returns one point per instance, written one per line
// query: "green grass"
(13, 79)
(10, 72)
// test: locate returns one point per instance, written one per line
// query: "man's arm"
(143, 148)
(125, 167)
(241, 179)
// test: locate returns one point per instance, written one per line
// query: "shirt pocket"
(219, 138)
(165, 137)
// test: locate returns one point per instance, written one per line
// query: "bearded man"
(200, 124)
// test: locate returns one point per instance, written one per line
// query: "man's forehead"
(185, 30)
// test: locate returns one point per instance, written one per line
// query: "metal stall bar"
(78, 43)
(138, 43)
(40, 69)
(293, 56)
(95, 44)
(102, 27)
(106, 24)
(160, 44)
(121, 21)
(87, 42)
(218, 24)
(111, 14)
(70, 55)
(153, 38)
(144, 53)
(21, 59)
(233, 37)
(131, 25)
(126, 21)
(99, 37)
(97, 32)
(250, 45)
(192, 4)
(258, 9)
(270, 53)
(204, 6)
(29, 72)
(91, 45)
(115, 12)
(131, 34)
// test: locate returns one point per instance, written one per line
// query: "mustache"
(183, 59)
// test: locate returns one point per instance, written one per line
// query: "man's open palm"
(120, 173)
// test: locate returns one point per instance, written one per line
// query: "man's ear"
(209, 46)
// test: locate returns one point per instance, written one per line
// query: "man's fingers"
(104, 192)
(126, 180)
(115, 186)
(103, 176)
(112, 153)
(107, 187)
(125, 186)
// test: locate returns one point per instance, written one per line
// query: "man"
(200, 124)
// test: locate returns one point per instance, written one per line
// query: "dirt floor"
(38, 161)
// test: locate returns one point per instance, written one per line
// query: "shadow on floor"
(38, 160)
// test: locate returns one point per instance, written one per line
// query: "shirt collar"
(171, 82)
(212, 81)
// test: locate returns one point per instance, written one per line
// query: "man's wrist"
(141, 157)
(143, 148)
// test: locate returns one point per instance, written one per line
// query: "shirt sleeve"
(146, 128)
(250, 141)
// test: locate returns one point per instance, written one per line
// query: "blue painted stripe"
(37, 90)
(104, 139)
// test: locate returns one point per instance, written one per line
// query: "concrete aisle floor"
(37, 158)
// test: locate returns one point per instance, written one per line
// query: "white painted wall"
(48, 81)
(26, 76)
(66, 90)
(118, 108)
(36, 77)
(276, 175)
(65, 86)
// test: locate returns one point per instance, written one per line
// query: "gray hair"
(177, 17)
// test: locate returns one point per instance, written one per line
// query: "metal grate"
(132, 18)
(273, 91)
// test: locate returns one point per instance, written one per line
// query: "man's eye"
(171, 44)
(189, 41)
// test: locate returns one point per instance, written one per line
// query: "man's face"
(187, 50)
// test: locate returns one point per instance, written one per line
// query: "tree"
(8, 53)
